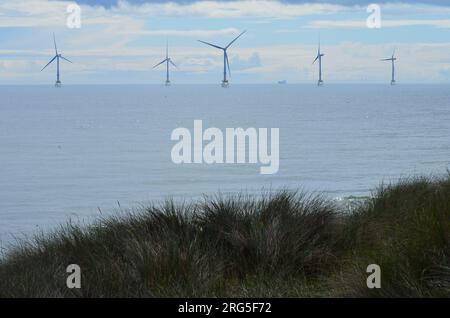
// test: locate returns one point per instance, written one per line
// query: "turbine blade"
(318, 48)
(54, 41)
(167, 49)
(173, 63)
(217, 47)
(228, 63)
(316, 59)
(65, 59)
(160, 63)
(49, 63)
(235, 39)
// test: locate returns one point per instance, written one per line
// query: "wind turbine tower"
(168, 61)
(56, 57)
(319, 58)
(392, 59)
(226, 62)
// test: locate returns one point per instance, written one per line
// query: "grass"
(283, 244)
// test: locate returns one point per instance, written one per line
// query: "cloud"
(30, 13)
(228, 9)
(198, 33)
(352, 24)
(253, 61)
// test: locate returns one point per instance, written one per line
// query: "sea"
(79, 153)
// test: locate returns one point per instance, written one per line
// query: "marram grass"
(284, 244)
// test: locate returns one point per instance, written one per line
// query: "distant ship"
(283, 82)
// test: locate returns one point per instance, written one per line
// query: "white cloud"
(29, 13)
(410, 9)
(198, 33)
(351, 24)
(229, 9)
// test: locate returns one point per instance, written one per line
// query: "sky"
(120, 41)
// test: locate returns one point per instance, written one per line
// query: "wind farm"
(56, 57)
(225, 83)
(392, 59)
(168, 61)
(226, 62)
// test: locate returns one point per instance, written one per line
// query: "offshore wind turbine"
(319, 57)
(56, 57)
(392, 59)
(226, 62)
(168, 61)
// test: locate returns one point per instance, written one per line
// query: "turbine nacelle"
(319, 56)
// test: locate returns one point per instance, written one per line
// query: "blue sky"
(120, 41)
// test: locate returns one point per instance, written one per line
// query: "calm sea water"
(65, 153)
